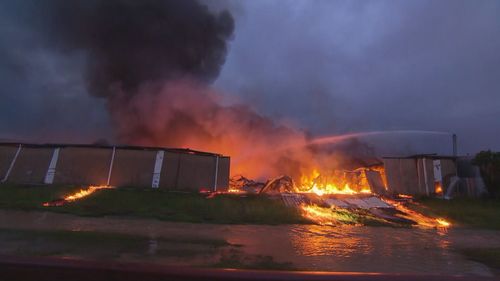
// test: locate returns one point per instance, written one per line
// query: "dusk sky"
(328, 67)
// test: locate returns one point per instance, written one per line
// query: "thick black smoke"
(130, 42)
(152, 62)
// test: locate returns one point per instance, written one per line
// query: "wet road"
(308, 247)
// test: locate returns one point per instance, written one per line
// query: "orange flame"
(438, 188)
(85, 192)
(421, 219)
(338, 183)
(319, 215)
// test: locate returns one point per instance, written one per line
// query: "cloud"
(344, 66)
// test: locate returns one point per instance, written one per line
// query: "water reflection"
(354, 248)
(308, 247)
(322, 240)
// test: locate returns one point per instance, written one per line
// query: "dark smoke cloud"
(153, 63)
(328, 66)
(130, 42)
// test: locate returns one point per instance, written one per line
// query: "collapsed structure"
(156, 167)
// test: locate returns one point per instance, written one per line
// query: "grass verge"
(466, 212)
(489, 257)
(152, 203)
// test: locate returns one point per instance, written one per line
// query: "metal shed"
(156, 167)
(420, 174)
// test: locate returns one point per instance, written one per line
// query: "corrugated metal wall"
(415, 176)
(176, 169)
(82, 165)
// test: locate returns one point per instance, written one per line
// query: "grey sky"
(344, 66)
(329, 67)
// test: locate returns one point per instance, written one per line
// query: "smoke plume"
(130, 42)
(153, 61)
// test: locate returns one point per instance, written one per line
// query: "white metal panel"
(437, 171)
(157, 169)
(51, 171)
(111, 165)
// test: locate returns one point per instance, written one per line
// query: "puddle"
(307, 247)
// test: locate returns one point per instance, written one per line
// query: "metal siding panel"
(224, 172)
(170, 170)
(409, 176)
(7, 155)
(195, 172)
(31, 165)
(392, 172)
(133, 168)
(83, 166)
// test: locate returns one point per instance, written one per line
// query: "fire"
(339, 182)
(443, 223)
(75, 196)
(235, 190)
(421, 219)
(325, 216)
(438, 188)
(85, 192)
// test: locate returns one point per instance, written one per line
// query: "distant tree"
(489, 165)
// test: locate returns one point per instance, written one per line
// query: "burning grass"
(237, 208)
(465, 212)
(82, 193)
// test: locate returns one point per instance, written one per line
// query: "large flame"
(337, 182)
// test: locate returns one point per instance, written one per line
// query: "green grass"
(489, 257)
(150, 203)
(464, 212)
(31, 197)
